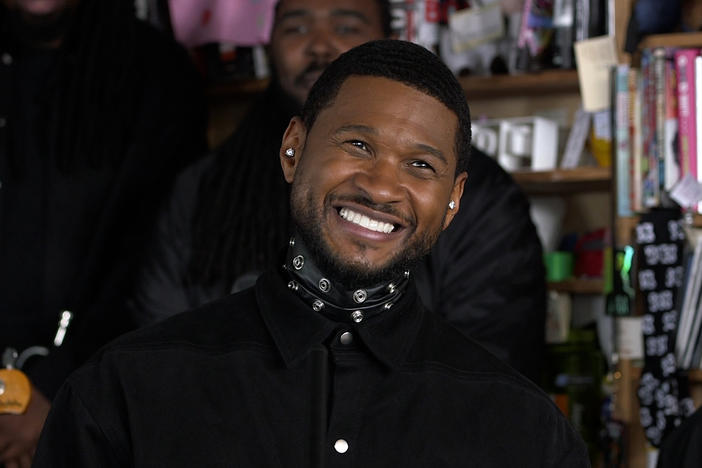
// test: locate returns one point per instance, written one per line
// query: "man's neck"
(332, 298)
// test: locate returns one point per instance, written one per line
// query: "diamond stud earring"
(452, 205)
(290, 153)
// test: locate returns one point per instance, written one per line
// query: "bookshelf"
(476, 87)
(628, 371)
(672, 40)
(565, 181)
(578, 286)
(502, 86)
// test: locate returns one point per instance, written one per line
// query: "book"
(636, 156)
(671, 138)
(622, 153)
(687, 126)
(649, 160)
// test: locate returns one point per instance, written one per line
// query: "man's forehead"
(367, 9)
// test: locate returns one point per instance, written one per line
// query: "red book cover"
(685, 68)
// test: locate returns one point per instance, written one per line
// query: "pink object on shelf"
(240, 22)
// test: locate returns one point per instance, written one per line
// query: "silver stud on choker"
(359, 296)
(324, 285)
(298, 262)
(357, 316)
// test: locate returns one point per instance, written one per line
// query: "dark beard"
(39, 30)
(353, 275)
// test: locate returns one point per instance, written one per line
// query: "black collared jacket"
(485, 275)
(235, 384)
(71, 239)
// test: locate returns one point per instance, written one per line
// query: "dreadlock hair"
(400, 61)
(242, 213)
(385, 15)
(92, 96)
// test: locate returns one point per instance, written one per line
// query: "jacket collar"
(296, 328)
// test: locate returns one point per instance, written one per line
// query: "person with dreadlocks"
(229, 213)
(331, 359)
(98, 113)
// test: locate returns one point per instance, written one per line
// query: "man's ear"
(291, 147)
(456, 194)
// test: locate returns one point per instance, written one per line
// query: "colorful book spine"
(636, 138)
(670, 131)
(622, 140)
(687, 126)
(658, 124)
(649, 163)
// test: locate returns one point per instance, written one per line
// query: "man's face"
(310, 34)
(373, 177)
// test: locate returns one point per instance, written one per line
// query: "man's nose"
(322, 44)
(381, 181)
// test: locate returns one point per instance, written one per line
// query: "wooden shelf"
(672, 40)
(564, 181)
(476, 87)
(578, 286)
(236, 88)
(502, 86)
(695, 375)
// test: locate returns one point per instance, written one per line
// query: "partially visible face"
(375, 175)
(39, 7)
(310, 34)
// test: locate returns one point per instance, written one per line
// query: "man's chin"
(362, 273)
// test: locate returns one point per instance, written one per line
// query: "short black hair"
(401, 61)
(385, 16)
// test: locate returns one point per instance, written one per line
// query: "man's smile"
(366, 222)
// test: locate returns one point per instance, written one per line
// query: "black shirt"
(485, 275)
(234, 384)
(71, 238)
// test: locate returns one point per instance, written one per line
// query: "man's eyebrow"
(293, 14)
(373, 131)
(433, 151)
(357, 128)
(340, 12)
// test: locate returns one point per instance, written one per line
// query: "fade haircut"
(385, 15)
(400, 61)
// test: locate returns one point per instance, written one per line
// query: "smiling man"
(229, 215)
(330, 360)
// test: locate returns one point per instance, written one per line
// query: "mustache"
(366, 201)
(313, 67)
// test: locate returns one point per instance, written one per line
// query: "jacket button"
(341, 446)
(346, 338)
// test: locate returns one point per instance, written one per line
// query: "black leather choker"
(332, 299)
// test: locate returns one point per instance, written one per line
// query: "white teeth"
(365, 221)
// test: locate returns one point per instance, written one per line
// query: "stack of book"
(658, 117)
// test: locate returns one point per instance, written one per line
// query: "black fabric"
(485, 275)
(71, 238)
(663, 391)
(682, 448)
(230, 385)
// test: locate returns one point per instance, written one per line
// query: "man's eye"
(344, 30)
(295, 29)
(359, 144)
(422, 165)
